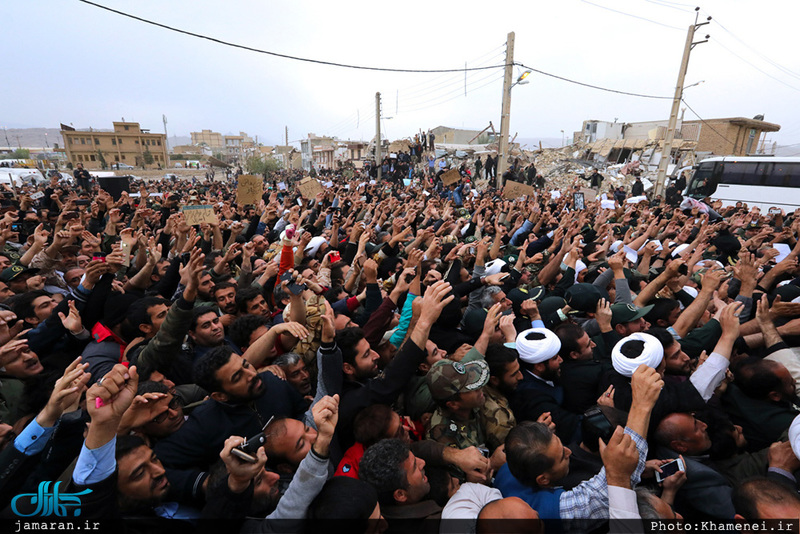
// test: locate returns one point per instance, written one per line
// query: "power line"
(707, 123)
(759, 69)
(630, 15)
(775, 64)
(276, 54)
(592, 86)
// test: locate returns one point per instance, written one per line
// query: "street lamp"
(521, 80)
(562, 138)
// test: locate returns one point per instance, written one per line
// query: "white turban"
(794, 436)
(651, 355)
(494, 266)
(537, 345)
(314, 244)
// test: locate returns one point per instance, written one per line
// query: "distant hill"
(31, 137)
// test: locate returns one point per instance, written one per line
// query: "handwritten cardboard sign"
(513, 190)
(451, 177)
(309, 187)
(199, 214)
(249, 190)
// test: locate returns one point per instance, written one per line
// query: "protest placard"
(249, 190)
(513, 190)
(309, 187)
(578, 201)
(199, 214)
(451, 177)
(589, 194)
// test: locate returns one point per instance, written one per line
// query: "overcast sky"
(66, 61)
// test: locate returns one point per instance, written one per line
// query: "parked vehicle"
(765, 182)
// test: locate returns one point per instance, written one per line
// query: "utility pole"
(286, 133)
(502, 156)
(378, 134)
(166, 138)
(676, 102)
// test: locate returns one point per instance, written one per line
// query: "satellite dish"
(758, 118)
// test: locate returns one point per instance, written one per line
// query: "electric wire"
(584, 84)
(629, 15)
(707, 123)
(276, 54)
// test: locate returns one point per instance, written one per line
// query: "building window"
(137, 141)
(123, 156)
(70, 140)
(116, 158)
(92, 157)
(113, 141)
(119, 141)
(80, 157)
(83, 141)
(126, 127)
(159, 142)
(96, 141)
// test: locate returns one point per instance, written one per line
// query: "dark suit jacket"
(533, 397)
(706, 493)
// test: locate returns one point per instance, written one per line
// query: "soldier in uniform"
(457, 388)
(505, 375)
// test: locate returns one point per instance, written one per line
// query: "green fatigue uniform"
(497, 417)
(417, 396)
(458, 434)
(446, 379)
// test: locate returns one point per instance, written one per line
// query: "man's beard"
(263, 505)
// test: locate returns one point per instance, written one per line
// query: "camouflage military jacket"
(498, 419)
(457, 434)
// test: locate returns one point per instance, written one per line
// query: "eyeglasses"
(174, 404)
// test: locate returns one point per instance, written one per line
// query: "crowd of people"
(397, 355)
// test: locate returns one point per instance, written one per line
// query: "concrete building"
(239, 147)
(307, 146)
(213, 140)
(734, 136)
(455, 136)
(127, 143)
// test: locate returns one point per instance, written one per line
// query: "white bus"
(765, 182)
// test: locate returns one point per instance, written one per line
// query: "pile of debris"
(561, 167)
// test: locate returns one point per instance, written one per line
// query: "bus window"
(790, 171)
(697, 187)
(740, 174)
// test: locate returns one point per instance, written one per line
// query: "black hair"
(382, 467)
(525, 446)
(749, 493)
(138, 313)
(344, 504)
(148, 386)
(199, 312)
(205, 368)
(756, 377)
(569, 334)
(22, 304)
(372, 424)
(663, 336)
(244, 296)
(498, 356)
(127, 444)
(243, 327)
(346, 340)
(662, 308)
